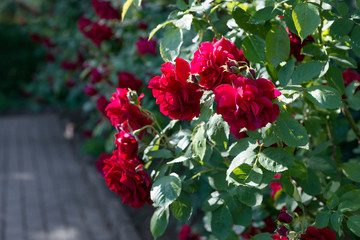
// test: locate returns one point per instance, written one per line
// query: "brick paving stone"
(47, 192)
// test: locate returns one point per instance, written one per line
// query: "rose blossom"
(210, 61)
(296, 45)
(101, 104)
(128, 180)
(95, 31)
(320, 234)
(275, 186)
(90, 91)
(350, 76)
(144, 46)
(100, 162)
(247, 103)
(104, 10)
(123, 113)
(178, 98)
(278, 237)
(284, 217)
(128, 80)
(127, 145)
(186, 233)
(282, 230)
(84, 25)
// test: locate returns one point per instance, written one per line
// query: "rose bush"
(249, 130)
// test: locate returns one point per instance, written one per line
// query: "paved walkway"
(47, 193)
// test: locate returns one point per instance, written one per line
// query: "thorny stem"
(333, 145)
(352, 122)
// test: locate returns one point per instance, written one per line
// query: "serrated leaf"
(199, 142)
(291, 131)
(324, 96)
(181, 159)
(344, 61)
(218, 130)
(306, 72)
(170, 44)
(262, 236)
(249, 196)
(241, 214)
(218, 181)
(336, 219)
(287, 185)
(353, 223)
(277, 45)
(352, 171)
(254, 49)
(162, 153)
(166, 190)
(158, 27)
(341, 27)
(241, 145)
(214, 201)
(306, 19)
(311, 183)
(335, 79)
(245, 174)
(275, 159)
(221, 222)
(159, 222)
(242, 17)
(264, 14)
(181, 208)
(286, 72)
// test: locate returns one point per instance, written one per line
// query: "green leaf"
(352, 171)
(306, 72)
(184, 22)
(355, 40)
(336, 219)
(322, 219)
(241, 214)
(241, 145)
(214, 201)
(218, 130)
(246, 174)
(332, 202)
(344, 61)
(181, 5)
(181, 208)
(158, 27)
(306, 19)
(324, 96)
(277, 45)
(166, 190)
(353, 96)
(291, 131)
(311, 183)
(335, 79)
(180, 159)
(125, 8)
(249, 196)
(242, 17)
(254, 49)
(264, 14)
(170, 44)
(199, 142)
(218, 181)
(351, 195)
(358, 5)
(353, 222)
(342, 8)
(341, 27)
(159, 222)
(275, 159)
(286, 72)
(287, 185)
(349, 205)
(162, 153)
(221, 222)
(262, 236)
(322, 163)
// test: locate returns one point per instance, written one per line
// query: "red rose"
(100, 162)
(284, 217)
(48, 43)
(350, 76)
(275, 186)
(247, 103)
(178, 98)
(70, 82)
(49, 57)
(100, 32)
(84, 25)
(128, 80)
(90, 91)
(128, 180)
(313, 233)
(210, 62)
(121, 112)
(278, 237)
(104, 10)
(127, 145)
(296, 45)
(186, 233)
(68, 65)
(101, 104)
(144, 46)
(96, 75)
(36, 38)
(142, 25)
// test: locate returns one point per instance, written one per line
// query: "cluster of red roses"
(243, 102)
(123, 173)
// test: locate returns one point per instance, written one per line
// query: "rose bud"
(128, 145)
(282, 230)
(284, 217)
